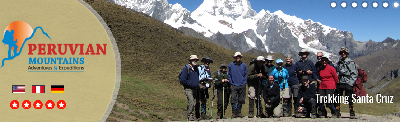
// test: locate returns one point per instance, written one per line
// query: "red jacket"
(328, 77)
(358, 88)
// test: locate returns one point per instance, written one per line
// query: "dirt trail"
(345, 118)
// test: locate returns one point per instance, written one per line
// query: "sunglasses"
(319, 56)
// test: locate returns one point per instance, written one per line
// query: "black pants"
(311, 106)
(326, 92)
(258, 89)
(348, 91)
(294, 90)
(238, 98)
(225, 95)
(238, 94)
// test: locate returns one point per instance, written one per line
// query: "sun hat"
(269, 58)
(237, 54)
(193, 57)
(343, 49)
(304, 51)
(206, 58)
(223, 65)
(261, 58)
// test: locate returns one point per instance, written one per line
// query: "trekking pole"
(258, 97)
(284, 83)
(212, 101)
(223, 100)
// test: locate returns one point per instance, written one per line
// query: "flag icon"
(37, 88)
(18, 88)
(57, 88)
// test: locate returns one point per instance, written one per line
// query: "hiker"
(189, 78)
(305, 67)
(281, 76)
(293, 83)
(327, 85)
(306, 97)
(347, 71)
(223, 90)
(321, 108)
(271, 94)
(270, 67)
(205, 78)
(237, 76)
(255, 76)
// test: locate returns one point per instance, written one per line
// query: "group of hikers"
(276, 85)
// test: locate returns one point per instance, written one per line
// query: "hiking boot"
(299, 115)
(204, 116)
(323, 114)
(239, 115)
(251, 116)
(262, 116)
(336, 114)
(233, 116)
(313, 116)
(219, 115)
(352, 113)
(190, 117)
(286, 115)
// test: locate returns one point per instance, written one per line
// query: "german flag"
(57, 88)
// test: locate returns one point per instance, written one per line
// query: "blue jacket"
(285, 75)
(305, 65)
(203, 73)
(237, 74)
(292, 69)
(190, 80)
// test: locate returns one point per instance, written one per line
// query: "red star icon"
(14, 104)
(26, 104)
(49, 104)
(38, 104)
(61, 104)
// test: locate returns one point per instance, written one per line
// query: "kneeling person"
(306, 96)
(271, 94)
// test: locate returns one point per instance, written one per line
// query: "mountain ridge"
(243, 29)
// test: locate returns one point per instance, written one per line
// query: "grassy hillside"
(378, 64)
(152, 54)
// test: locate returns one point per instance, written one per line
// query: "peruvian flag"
(37, 88)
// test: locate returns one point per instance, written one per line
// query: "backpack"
(180, 74)
(362, 75)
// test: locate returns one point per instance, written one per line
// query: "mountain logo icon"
(15, 36)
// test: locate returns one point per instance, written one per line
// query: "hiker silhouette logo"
(15, 36)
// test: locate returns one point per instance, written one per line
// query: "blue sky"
(370, 23)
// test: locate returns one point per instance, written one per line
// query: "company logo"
(15, 36)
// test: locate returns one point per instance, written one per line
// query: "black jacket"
(252, 75)
(271, 93)
(305, 65)
(307, 92)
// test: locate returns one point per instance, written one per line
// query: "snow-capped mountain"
(234, 24)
